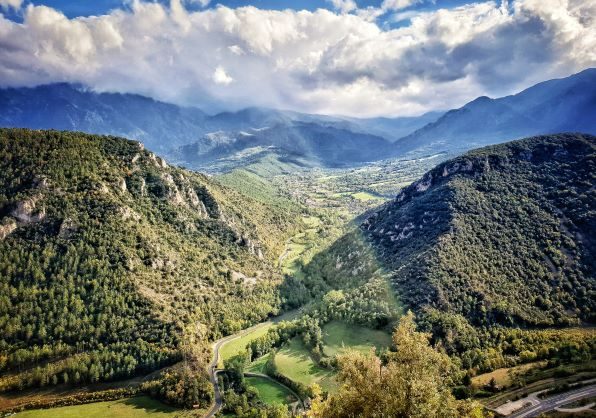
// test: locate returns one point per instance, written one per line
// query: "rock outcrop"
(7, 227)
(26, 211)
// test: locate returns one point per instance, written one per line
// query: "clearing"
(137, 407)
(339, 337)
(270, 392)
(294, 362)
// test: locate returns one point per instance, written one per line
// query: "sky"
(359, 58)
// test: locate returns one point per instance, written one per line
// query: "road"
(213, 370)
(555, 401)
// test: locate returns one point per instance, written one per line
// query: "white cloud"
(15, 4)
(309, 61)
(221, 77)
(397, 4)
(236, 50)
(344, 6)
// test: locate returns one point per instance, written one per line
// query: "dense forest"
(502, 235)
(113, 264)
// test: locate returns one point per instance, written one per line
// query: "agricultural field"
(504, 376)
(294, 362)
(137, 407)
(339, 337)
(355, 190)
(238, 345)
(270, 392)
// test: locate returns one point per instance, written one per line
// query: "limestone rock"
(7, 227)
(26, 211)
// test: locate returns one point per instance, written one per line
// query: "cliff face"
(502, 234)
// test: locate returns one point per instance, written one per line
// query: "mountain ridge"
(114, 264)
(559, 105)
(464, 199)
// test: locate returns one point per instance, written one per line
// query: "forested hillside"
(498, 238)
(114, 264)
(503, 235)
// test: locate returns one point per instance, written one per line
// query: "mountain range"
(560, 105)
(196, 139)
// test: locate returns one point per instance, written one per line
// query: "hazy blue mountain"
(561, 105)
(320, 145)
(197, 139)
(394, 128)
(160, 126)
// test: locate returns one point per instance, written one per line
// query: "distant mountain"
(197, 139)
(160, 126)
(562, 105)
(393, 128)
(317, 144)
(192, 137)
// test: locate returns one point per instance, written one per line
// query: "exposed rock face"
(7, 228)
(172, 193)
(194, 201)
(26, 211)
(67, 228)
(158, 161)
(143, 187)
(252, 246)
(41, 182)
(127, 213)
(246, 281)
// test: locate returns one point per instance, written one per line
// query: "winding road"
(213, 370)
(556, 401)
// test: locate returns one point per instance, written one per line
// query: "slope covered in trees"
(488, 249)
(114, 264)
(501, 235)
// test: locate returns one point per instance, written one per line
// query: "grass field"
(270, 392)
(364, 196)
(339, 337)
(238, 345)
(294, 362)
(258, 366)
(137, 407)
(503, 376)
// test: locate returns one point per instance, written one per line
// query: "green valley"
(302, 271)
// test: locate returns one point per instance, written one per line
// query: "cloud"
(344, 6)
(221, 77)
(15, 4)
(317, 61)
(398, 4)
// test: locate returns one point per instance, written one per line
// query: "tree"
(415, 382)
